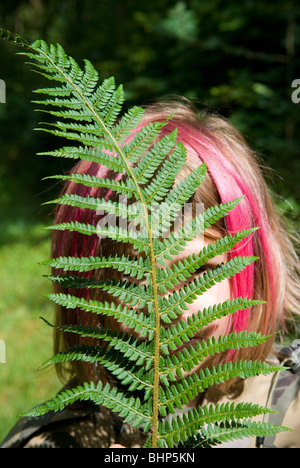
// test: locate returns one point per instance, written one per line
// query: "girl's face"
(218, 293)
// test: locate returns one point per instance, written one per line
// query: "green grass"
(28, 340)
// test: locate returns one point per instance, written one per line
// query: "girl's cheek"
(215, 295)
(220, 292)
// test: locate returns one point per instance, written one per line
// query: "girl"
(233, 171)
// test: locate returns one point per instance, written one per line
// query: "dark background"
(239, 58)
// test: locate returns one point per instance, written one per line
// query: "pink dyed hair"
(231, 184)
(234, 172)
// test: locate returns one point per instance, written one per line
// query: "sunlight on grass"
(28, 340)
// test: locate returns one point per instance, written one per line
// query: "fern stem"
(156, 376)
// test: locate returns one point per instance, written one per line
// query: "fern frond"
(138, 267)
(137, 146)
(236, 430)
(187, 358)
(184, 269)
(105, 99)
(126, 211)
(184, 331)
(177, 241)
(171, 207)
(116, 289)
(129, 293)
(159, 187)
(98, 333)
(139, 240)
(127, 124)
(151, 160)
(123, 187)
(176, 303)
(178, 394)
(190, 424)
(126, 366)
(129, 408)
(16, 38)
(90, 154)
(130, 317)
(210, 435)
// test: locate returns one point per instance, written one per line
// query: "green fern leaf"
(184, 269)
(159, 187)
(121, 367)
(90, 154)
(178, 394)
(139, 240)
(130, 408)
(169, 210)
(134, 267)
(186, 359)
(187, 426)
(141, 142)
(226, 432)
(183, 331)
(176, 303)
(177, 241)
(150, 162)
(124, 187)
(131, 318)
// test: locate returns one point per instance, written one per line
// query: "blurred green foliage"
(238, 58)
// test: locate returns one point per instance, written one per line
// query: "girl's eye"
(203, 269)
(200, 271)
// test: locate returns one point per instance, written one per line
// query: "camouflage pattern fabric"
(285, 400)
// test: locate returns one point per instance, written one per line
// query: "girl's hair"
(233, 171)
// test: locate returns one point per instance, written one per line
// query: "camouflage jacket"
(90, 426)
